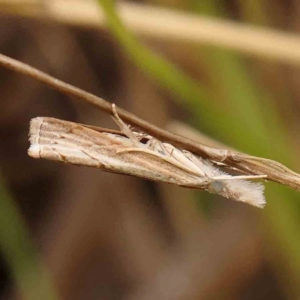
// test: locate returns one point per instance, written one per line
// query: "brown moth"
(137, 154)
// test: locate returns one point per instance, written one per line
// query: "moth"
(138, 154)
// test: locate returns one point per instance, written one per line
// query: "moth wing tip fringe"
(34, 151)
(34, 137)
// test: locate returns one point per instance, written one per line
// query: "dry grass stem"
(169, 25)
(191, 133)
(245, 163)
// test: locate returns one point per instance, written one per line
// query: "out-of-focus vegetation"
(21, 256)
(248, 103)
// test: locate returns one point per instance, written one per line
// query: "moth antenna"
(163, 148)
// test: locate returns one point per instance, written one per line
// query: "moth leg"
(196, 161)
(166, 158)
(151, 144)
(157, 146)
(170, 153)
(124, 128)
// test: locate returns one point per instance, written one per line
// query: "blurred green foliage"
(30, 276)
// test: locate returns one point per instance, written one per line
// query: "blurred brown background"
(107, 236)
